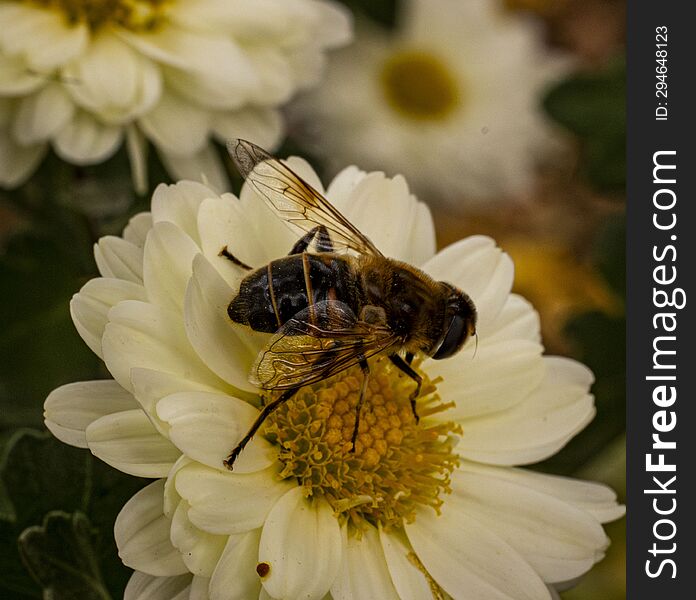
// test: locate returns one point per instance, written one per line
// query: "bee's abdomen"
(272, 295)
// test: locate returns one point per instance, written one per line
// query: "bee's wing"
(293, 199)
(318, 342)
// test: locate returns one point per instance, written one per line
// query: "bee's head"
(459, 322)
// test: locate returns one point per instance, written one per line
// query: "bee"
(339, 305)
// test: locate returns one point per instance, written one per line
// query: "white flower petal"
(137, 149)
(211, 332)
(203, 166)
(468, 561)
(559, 541)
(16, 78)
(480, 269)
(171, 497)
(364, 572)
(41, 115)
(142, 534)
(70, 409)
(384, 210)
(118, 258)
(42, 36)
(129, 442)
(86, 141)
(229, 503)
(142, 586)
(180, 204)
(516, 321)
(167, 259)
(249, 230)
(498, 376)
(595, 498)
(176, 126)
(199, 588)
(342, 185)
(17, 162)
(235, 576)
(262, 126)
(199, 550)
(90, 307)
(214, 95)
(136, 230)
(150, 386)
(141, 335)
(409, 581)
(209, 56)
(301, 541)
(115, 95)
(539, 425)
(207, 427)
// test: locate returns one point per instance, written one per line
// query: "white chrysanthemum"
(418, 511)
(451, 99)
(84, 77)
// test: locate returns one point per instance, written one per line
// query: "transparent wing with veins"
(320, 341)
(293, 199)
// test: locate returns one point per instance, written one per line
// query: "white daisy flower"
(434, 509)
(451, 99)
(85, 77)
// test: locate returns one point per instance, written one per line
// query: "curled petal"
(129, 442)
(228, 503)
(301, 542)
(199, 550)
(364, 572)
(207, 426)
(142, 586)
(71, 408)
(142, 534)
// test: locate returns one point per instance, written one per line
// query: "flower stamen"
(136, 15)
(420, 86)
(397, 464)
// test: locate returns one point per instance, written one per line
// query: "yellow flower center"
(397, 465)
(137, 15)
(420, 86)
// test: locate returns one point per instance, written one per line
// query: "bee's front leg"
(263, 415)
(366, 373)
(404, 367)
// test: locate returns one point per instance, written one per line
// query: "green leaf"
(42, 475)
(593, 106)
(60, 554)
(40, 270)
(384, 12)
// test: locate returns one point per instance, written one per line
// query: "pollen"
(136, 15)
(420, 86)
(397, 465)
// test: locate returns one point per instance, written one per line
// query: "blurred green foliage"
(593, 107)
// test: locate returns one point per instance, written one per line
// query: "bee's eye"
(454, 338)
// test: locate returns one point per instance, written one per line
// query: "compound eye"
(454, 338)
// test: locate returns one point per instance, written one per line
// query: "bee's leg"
(409, 357)
(363, 389)
(323, 241)
(231, 257)
(406, 368)
(267, 410)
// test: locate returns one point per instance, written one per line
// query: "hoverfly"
(338, 306)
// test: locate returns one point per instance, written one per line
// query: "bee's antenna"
(475, 346)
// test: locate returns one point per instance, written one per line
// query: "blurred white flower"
(451, 99)
(425, 510)
(85, 76)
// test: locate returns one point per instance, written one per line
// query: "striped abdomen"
(273, 294)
